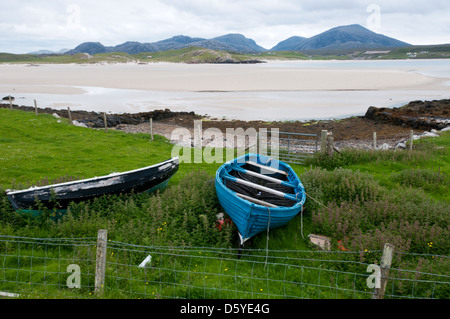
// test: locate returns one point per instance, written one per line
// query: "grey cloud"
(34, 22)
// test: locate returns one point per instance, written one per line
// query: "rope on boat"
(316, 200)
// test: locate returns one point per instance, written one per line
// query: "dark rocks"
(419, 115)
(96, 120)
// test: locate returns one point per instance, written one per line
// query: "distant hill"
(229, 42)
(289, 44)
(339, 38)
(89, 47)
(175, 43)
(131, 47)
(62, 51)
(238, 43)
(343, 37)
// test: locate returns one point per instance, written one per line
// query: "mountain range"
(230, 42)
(343, 37)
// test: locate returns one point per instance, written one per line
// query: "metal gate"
(289, 147)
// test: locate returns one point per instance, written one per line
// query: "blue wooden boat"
(258, 193)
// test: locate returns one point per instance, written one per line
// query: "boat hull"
(252, 218)
(146, 179)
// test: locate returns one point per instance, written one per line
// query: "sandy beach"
(274, 90)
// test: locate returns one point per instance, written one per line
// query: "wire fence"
(68, 268)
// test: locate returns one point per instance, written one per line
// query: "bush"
(426, 179)
(339, 185)
(349, 156)
(181, 215)
(362, 215)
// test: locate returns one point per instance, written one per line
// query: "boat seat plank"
(256, 201)
(271, 169)
(262, 176)
(260, 187)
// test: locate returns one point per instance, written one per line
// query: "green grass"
(36, 148)
(400, 197)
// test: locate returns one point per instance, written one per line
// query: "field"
(361, 199)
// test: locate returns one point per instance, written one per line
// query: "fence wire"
(41, 267)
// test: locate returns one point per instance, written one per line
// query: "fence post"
(323, 140)
(151, 127)
(105, 122)
(35, 108)
(375, 140)
(100, 266)
(386, 261)
(330, 145)
(70, 115)
(411, 135)
(10, 102)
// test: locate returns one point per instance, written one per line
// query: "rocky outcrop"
(421, 115)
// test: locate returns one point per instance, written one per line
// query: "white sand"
(257, 91)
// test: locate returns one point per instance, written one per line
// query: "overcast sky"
(30, 25)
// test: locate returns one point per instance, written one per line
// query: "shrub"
(339, 185)
(349, 156)
(351, 207)
(426, 179)
(181, 215)
(409, 226)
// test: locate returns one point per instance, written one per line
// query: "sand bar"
(210, 77)
(274, 90)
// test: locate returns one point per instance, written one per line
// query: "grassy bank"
(361, 199)
(46, 148)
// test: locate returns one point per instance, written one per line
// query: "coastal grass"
(361, 199)
(35, 149)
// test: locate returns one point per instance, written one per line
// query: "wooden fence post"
(386, 261)
(151, 127)
(105, 122)
(375, 140)
(70, 115)
(10, 102)
(330, 145)
(35, 108)
(323, 140)
(100, 266)
(411, 137)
